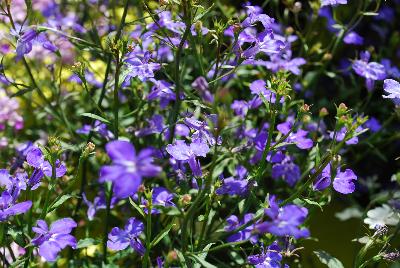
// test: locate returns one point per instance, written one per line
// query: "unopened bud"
(164, 2)
(323, 112)
(327, 56)
(289, 30)
(141, 188)
(305, 108)
(297, 7)
(172, 256)
(198, 26)
(89, 148)
(186, 199)
(236, 27)
(342, 109)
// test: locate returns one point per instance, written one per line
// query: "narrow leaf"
(162, 234)
(328, 260)
(94, 116)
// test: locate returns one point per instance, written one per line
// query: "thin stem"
(177, 72)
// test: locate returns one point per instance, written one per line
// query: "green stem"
(148, 234)
(177, 73)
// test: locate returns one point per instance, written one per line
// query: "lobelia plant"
(193, 133)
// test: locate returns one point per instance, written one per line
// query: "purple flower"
(235, 185)
(287, 170)
(333, 2)
(202, 130)
(99, 202)
(353, 38)
(372, 71)
(99, 128)
(246, 234)
(128, 168)
(270, 257)
(284, 221)
(373, 124)
(392, 88)
(160, 197)
(162, 90)
(299, 137)
(341, 135)
(119, 239)
(27, 36)
(342, 183)
(9, 208)
(183, 152)
(201, 85)
(35, 158)
(141, 67)
(51, 242)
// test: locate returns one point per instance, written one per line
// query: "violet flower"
(284, 221)
(246, 234)
(333, 2)
(342, 183)
(141, 67)
(9, 208)
(188, 153)
(119, 239)
(127, 168)
(201, 85)
(99, 202)
(270, 257)
(353, 38)
(287, 170)
(299, 138)
(35, 158)
(236, 185)
(392, 88)
(52, 241)
(160, 197)
(372, 71)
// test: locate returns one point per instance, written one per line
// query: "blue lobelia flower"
(372, 71)
(246, 234)
(284, 221)
(392, 88)
(183, 152)
(270, 257)
(342, 183)
(9, 208)
(333, 2)
(52, 241)
(119, 239)
(127, 168)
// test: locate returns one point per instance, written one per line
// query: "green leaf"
(311, 202)
(136, 207)
(59, 202)
(201, 15)
(162, 234)
(87, 242)
(95, 116)
(203, 255)
(202, 262)
(328, 260)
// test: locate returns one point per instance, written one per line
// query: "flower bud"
(323, 112)
(89, 148)
(164, 2)
(141, 188)
(172, 256)
(186, 199)
(198, 26)
(305, 108)
(342, 109)
(327, 57)
(297, 7)
(289, 30)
